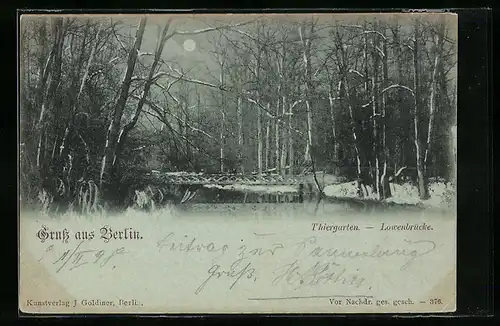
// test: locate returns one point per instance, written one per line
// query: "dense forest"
(371, 98)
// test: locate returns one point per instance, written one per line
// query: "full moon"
(189, 45)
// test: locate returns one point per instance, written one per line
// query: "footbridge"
(187, 178)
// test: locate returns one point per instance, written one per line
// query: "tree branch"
(208, 29)
(389, 88)
(162, 111)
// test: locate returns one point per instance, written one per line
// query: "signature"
(319, 274)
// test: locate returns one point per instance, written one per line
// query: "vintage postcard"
(237, 163)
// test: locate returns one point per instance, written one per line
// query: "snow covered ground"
(441, 194)
(269, 189)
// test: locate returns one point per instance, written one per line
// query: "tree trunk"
(120, 139)
(331, 102)
(107, 175)
(453, 160)
(281, 132)
(422, 184)
(431, 114)
(342, 64)
(438, 50)
(365, 60)
(375, 149)
(223, 116)
(268, 142)
(259, 110)
(62, 148)
(307, 155)
(386, 190)
(306, 52)
(277, 135)
(377, 187)
(259, 139)
(240, 136)
(332, 117)
(47, 95)
(283, 142)
(290, 141)
(360, 179)
(404, 135)
(307, 69)
(187, 136)
(448, 106)
(222, 126)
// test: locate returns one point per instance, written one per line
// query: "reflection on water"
(214, 195)
(237, 203)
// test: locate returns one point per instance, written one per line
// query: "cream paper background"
(165, 281)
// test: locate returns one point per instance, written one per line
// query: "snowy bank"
(268, 189)
(441, 194)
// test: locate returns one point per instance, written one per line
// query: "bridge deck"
(228, 179)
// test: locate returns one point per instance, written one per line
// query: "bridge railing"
(224, 178)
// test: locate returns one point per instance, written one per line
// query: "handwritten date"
(71, 259)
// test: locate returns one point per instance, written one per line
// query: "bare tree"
(438, 50)
(384, 179)
(344, 82)
(109, 158)
(306, 43)
(422, 186)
